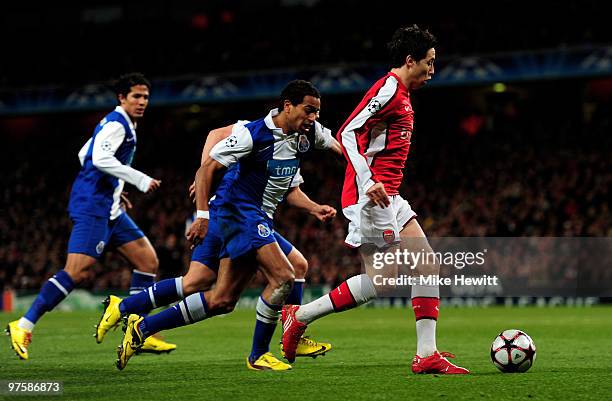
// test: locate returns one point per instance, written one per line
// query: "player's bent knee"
(300, 266)
(362, 288)
(151, 265)
(77, 265)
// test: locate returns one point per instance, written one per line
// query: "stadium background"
(511, 139)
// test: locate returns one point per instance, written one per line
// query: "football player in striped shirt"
(260, 161)
(204, 266)
(98, 220)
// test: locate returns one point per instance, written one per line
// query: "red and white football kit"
(375, 140)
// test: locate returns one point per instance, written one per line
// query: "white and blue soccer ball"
(513, 351)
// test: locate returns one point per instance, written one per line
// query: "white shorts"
(372, 224)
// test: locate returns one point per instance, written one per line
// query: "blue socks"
(267, 317)
(50, 295)
(140, 281)
(159, 294)
(190, 310)
(295, 297)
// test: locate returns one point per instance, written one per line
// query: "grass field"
(370, 359)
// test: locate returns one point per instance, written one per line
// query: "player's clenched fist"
(153, 185)
(197, 231)
(324, 213)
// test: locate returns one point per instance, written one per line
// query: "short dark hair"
(410, 41)
(296, 90)
(125, 82)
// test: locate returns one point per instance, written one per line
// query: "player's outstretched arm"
(105, 145)
(297, 198)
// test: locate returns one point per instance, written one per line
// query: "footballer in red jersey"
(375, 141)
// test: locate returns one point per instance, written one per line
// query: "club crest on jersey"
(303, 143)
(231, 141)
(374, 106)
(389, 236)
(263, 230)
(100, 247)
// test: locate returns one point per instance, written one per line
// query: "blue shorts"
(210, 250)
(91, 235)
(244, 232)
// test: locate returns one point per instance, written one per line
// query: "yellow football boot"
(267, 362)
(155, 345)
(309, 347)
(20, 339)
(132, 340)
(110, 317)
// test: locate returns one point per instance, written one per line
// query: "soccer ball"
(513, 351)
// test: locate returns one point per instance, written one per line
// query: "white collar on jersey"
(120, 110)
(270, 123)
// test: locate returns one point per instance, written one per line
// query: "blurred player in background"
(375, 140)
(94, 208)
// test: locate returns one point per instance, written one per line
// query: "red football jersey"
(376, 139)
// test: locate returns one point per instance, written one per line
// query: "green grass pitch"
(370, 360)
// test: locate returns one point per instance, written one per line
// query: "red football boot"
(292, 331)
(437, 363)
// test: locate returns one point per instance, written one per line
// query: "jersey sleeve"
(297, 179)
(375, 108)
(83, 151)
(106, 143)
(234, 147)
(323, 136)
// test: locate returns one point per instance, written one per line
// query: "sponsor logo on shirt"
(405, 134)
(283, 168)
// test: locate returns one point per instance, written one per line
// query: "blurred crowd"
(524, 172)
(171, 39)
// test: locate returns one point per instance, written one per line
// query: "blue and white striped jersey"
(105, 160)
(263, 163)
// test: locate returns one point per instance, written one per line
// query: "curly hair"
(296, 90)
